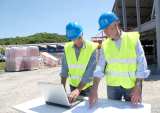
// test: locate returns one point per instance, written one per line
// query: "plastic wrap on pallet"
(31, 63)
(22, 58)
(15, 65)
(14, 52)
(32, 51)
(48, 59)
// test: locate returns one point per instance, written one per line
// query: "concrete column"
(124, 15)
(157, 13)
(153, 10)
(138, 15)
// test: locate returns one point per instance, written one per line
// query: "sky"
(27, 17)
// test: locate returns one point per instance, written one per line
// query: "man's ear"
(118, 24)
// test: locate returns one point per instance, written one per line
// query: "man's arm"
(141, 73)
(136, 94)
(75, 93)
(98, 74)
(64, 71)
(93, 93)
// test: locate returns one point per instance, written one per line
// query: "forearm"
(81, 86)
(96, 81)
(93, 97)
(139, 83)
(136, 94)
(64, 71)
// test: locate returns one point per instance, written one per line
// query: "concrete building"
(142, 16)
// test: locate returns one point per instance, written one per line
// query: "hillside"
(33, 39)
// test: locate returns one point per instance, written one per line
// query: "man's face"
(78, 42)
(112, 30)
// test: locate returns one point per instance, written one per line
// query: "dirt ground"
(18, 87)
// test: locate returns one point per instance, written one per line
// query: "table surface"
(103, 105)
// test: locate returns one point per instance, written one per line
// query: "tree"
(34, 39)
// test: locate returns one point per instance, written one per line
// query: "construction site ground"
(19, 87)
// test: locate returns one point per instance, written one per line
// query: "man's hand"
(136, 95)
(74, 94)
(93, 97)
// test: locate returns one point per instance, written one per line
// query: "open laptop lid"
(54, 93)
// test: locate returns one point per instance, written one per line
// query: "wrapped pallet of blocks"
(22, 58)
(48, 59)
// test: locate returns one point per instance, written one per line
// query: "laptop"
(55, 94)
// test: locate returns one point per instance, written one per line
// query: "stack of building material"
(49, 60)
(59, 55)
(14, 58)
(32, 58)
(22, 58)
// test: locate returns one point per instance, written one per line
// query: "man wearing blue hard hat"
(121, 61)
(78, 62)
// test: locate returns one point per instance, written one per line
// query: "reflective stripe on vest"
(126, 61)
(78, 67)
(75, 77)
(124, 74)
(121, 63)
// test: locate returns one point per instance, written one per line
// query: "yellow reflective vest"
(121, 62)
(78, 67)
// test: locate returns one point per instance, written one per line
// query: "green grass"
(2, 65)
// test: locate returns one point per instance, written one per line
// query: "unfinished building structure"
(142, 16)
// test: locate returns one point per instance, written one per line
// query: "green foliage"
(34, 39)
(2, 50)
(2, 65)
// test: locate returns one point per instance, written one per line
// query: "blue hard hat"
(106, 19)
(73, 30)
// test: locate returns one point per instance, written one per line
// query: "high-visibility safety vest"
(121, 62)
(78, 67)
